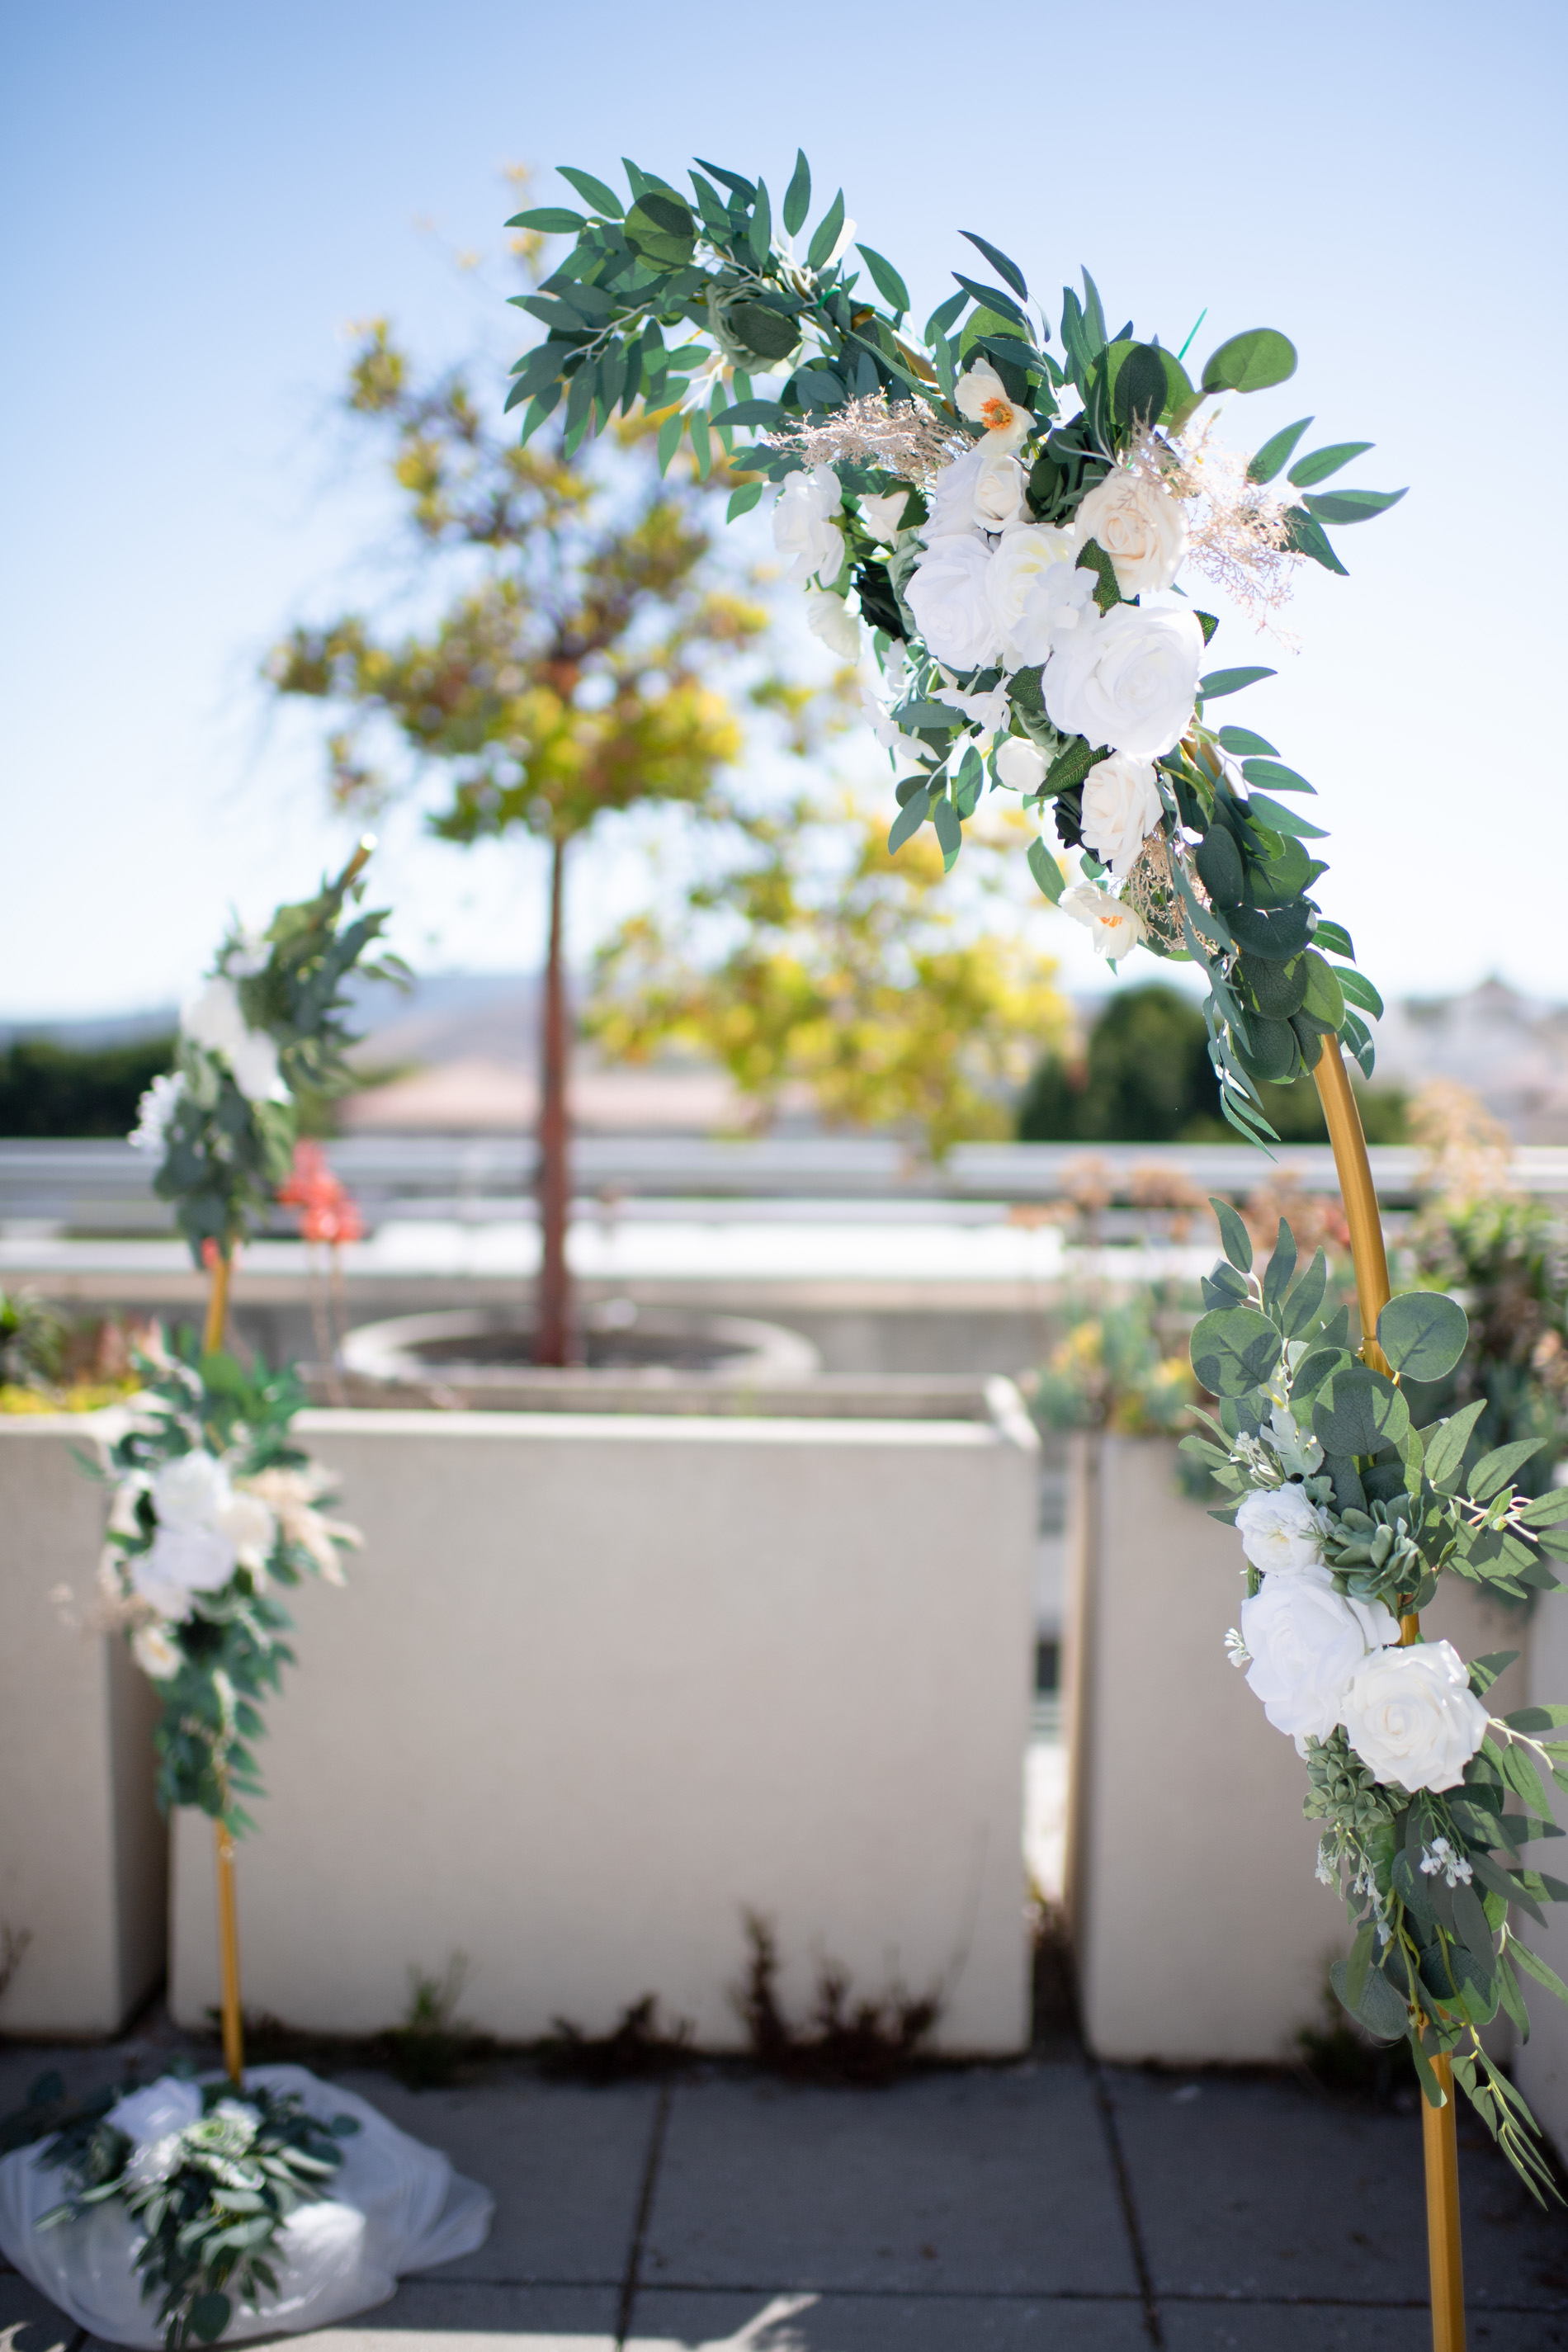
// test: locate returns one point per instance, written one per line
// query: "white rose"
(829, 617)
(950, 503)
(883, 511)
(998, 491)
(1115, 928)
(1306, 1642)
(1129, 680)
(801, 526)
(182, 1560)
(1023, 556)
(1059, 600)
(1281, 1531)
(1411, 1716)
(1141, 526)
(981, 398)
(1020, 764)
(1121, 809)
(155, 1653)
(159, 2111)
(946, 593)
(213, 1020)
(191, 1490)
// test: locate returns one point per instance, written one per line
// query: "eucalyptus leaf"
(1233, 1349)
(1250, 362)
(1422, 1334)
(1359, 1412)
(1234, 1239)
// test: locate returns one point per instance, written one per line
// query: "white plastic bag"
(394, 2206)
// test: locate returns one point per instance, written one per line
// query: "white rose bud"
(1020, 764)
(1115, 928)
(949, 502)
(1141, 526)
(1281, 1531)
(1025, 554)
(1306, 1642)
(1412, 1718)
(1128, 680)
(883, 511)
(802, 528)
(946, 593)
(155, 1653)
(998, 491)
(981, 398)
(1121, 810)
(829, 617)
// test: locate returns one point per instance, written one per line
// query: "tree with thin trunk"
(570, 674)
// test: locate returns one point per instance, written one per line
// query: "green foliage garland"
(927, 477)
(1349, 1514)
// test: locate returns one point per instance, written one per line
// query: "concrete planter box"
(600, 1682)
(83, 1852)
(1201, 1931)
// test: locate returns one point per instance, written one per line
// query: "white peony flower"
(1115, 928)
(883, 510)
(1306, 1642)
(155, 1112)
(802, 526)
(1412, 1718)
(213, 1020)
(1129, 680)
(1281, 1529)
(157, 1656)
(829, 617)
(1121, 809)
(154, 2161)
(946, 593)
(1059, 602)
(981, 398)
(1141, 526)
(1024, 555)
(1020, 764)
(158, 2111)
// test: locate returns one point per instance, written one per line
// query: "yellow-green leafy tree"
(577, 668)
(858, 978)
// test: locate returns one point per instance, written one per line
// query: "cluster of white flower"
(213, 1020)
(1318, 1659)
(992, 589)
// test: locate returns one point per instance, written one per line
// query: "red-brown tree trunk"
(553, 1332)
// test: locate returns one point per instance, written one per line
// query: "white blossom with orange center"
(983, 398)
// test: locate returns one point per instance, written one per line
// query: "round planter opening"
(484, 1356)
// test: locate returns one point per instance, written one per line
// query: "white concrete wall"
(1201, 1930)
(83, 1852)
(597, 1684)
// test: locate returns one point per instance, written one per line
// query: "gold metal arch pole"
(1445, 2252)
(223, 1844)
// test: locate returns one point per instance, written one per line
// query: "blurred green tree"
(1143, 1076)
(570, 673)
(48, 1088)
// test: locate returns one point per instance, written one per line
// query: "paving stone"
(675, 2321)
(976, 2183)
(1264, 2189)
(1324, 2327)
(446, 2317)
(565, 2165)
(29, 2321)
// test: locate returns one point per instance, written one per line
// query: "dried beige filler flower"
(1237, 529)
(908, 439)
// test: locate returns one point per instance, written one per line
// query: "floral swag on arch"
(1010, 522)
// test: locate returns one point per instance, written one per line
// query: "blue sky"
(199, 200)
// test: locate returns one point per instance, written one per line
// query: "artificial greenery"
(269, 1026)
(215, 1508)
(208, 2200)
(875, 430)
(1346, 1506)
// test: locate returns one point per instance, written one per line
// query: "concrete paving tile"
(1272, 2190)
(1323, 2328)
(676, 2321)
(565, 2165)
(29, 2321)
(977, 2182)
(424, 2316)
